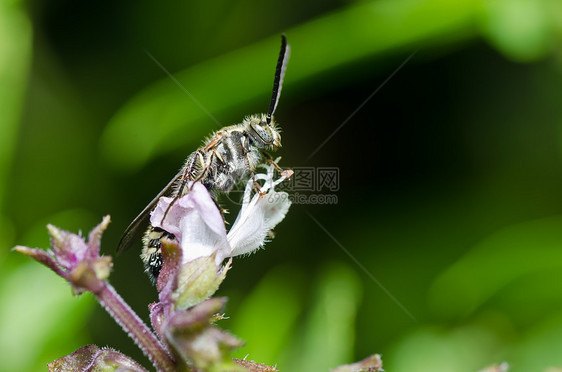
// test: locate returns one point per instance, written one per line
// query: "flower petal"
(262, 214)
(196, 222)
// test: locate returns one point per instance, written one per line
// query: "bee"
(228, 157)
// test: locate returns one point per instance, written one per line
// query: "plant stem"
(135, 328)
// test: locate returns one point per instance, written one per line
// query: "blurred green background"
(444, 250)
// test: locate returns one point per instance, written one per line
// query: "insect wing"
(136, 229)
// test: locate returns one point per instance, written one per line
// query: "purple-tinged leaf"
(92, 358)
(41, 256)
(94, 238)
(253, 366)
(195, 339)
(171, 262)
(371, 363)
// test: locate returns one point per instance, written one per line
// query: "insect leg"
(206, 167)
(257, 186)
(270, 160)
(190, 168)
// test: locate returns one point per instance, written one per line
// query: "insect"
(228, 157)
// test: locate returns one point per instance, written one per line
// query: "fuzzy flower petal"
(258, 215)
(251, 228)
(196, 222)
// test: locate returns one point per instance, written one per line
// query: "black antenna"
(279, 75)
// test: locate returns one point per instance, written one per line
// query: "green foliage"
(524, 30)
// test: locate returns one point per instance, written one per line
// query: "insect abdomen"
(151, 254)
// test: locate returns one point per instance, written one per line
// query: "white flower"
(198, 225)
(259, 215)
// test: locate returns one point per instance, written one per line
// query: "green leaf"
(524, 30)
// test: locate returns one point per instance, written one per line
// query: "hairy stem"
(135, 328)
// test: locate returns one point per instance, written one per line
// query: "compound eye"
(267, 137)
